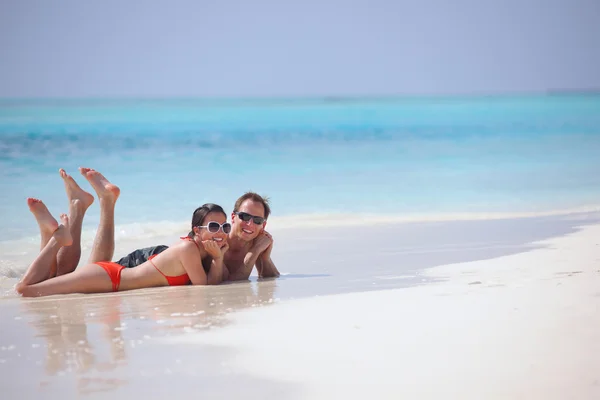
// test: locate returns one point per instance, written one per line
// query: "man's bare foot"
(63, 233)
(104, 189)
(43, 217)
(75, 193)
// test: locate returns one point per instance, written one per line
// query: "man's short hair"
(256, 198)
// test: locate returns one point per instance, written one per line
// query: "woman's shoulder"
(188, 246)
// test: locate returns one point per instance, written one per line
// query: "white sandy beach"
(524, 326)
(350, 317)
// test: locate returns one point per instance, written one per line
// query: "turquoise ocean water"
(385, 156)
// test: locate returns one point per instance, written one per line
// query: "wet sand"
(295, 337)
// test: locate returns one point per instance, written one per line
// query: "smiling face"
(248, 230)
(204, 234)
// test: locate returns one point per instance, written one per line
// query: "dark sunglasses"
(246, 217)
(213, 227)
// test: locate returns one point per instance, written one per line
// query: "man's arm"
(261, 245)
(245, 270)
(266, 267)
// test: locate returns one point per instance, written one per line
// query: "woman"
(178, 265)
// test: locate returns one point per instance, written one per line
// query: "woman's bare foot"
(105, 190)
(84, 171)
(75, 193)
(63, 233)
(45, 220)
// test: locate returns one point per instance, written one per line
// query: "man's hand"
(267, 252)
(212, 248)
(262, 242)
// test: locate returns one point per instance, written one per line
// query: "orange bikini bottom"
(114, 272)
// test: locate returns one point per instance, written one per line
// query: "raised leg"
(104, 242)
(45, 220)
(39, 270)
(79, 202)
(47, 225)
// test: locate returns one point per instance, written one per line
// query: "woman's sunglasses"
(213, 227)
(247, 217)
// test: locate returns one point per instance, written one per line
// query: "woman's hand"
(224, 249)
(212, 248)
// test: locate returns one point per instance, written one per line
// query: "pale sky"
(247, 48)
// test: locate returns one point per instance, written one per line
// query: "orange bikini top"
(179, 280)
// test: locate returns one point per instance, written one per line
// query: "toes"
(31, 201)
(65, 175)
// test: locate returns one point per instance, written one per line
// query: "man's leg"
(140, 256)
(39, 270)
(45, 220)
(47, 225)
(79, 201)
(104, 242)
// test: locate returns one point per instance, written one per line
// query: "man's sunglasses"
(247, 217)
(213, 227)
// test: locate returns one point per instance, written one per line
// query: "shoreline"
(462, 239)
(165, 228)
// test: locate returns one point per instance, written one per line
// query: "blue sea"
(388, 157)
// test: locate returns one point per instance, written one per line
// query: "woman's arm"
(217, 273)
(192, 263)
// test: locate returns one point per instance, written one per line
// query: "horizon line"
(332, 97)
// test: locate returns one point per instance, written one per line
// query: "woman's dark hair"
(201, 212)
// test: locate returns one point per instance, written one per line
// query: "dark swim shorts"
(140, 256)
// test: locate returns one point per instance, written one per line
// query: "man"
(249, 243)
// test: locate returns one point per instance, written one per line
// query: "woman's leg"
(89, 278)
(41, 267)
(79, 201)
(104, 242)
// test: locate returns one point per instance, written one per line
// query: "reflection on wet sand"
(190, 308)
(89, 338)
(65, 326)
